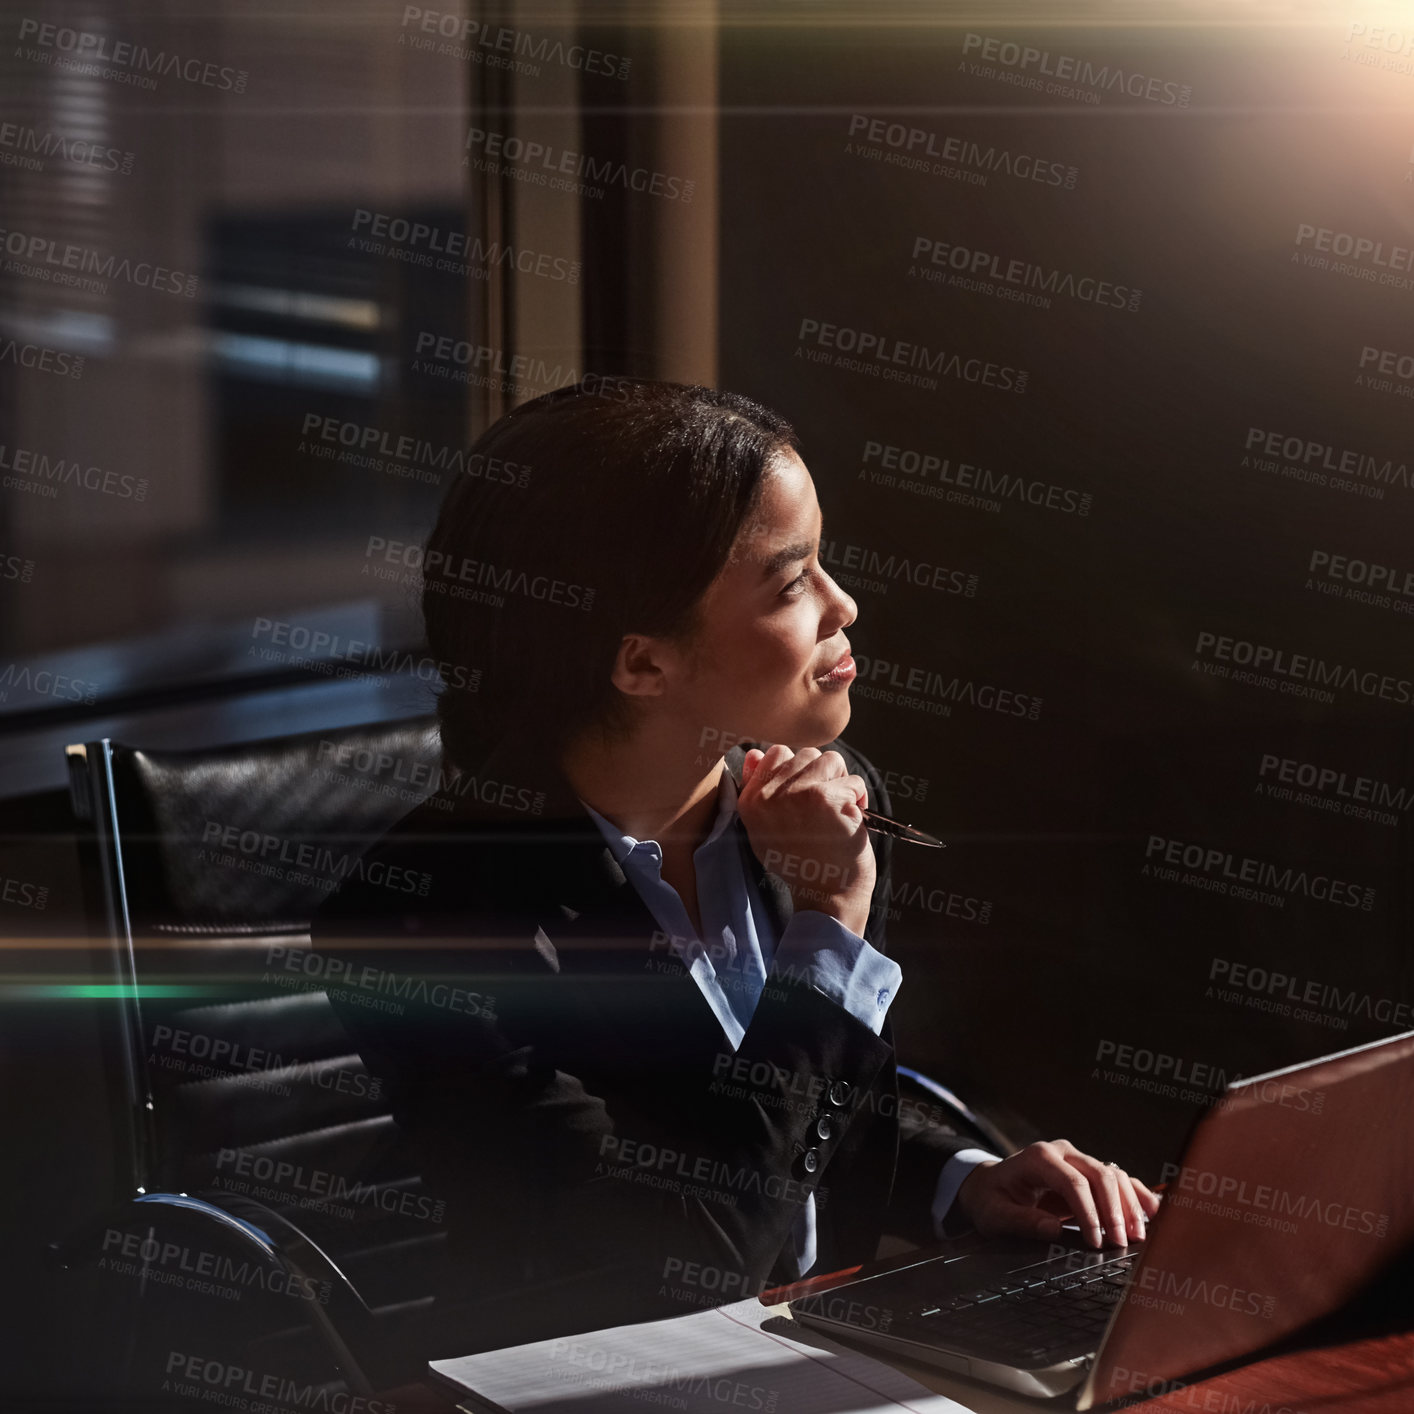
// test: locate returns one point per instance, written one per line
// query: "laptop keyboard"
(1066, 1311)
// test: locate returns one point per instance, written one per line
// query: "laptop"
(1294, 1191)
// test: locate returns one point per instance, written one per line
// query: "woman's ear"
(638, 669)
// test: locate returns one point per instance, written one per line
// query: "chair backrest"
(234, 1073)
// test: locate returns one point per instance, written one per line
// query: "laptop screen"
(1295, 1190)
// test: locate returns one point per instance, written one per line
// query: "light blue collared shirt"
(730, 964)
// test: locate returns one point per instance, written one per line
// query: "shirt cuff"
(821, 951)
(950, 1180)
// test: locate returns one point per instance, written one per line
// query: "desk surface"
(1373, 1376)
(1365, 1376)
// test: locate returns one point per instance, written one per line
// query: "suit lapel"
(572, 866)
(588, 901)
(595, 914)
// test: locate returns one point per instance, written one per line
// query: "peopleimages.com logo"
(485, 43)
(1065, 75)
(42, 257)
(41, 358)
(98, 55)
(223, 1384)
(950, 155)
(27, 147)
(1332, 788)
(1015, 278)
(1225, 871)
(1300, 674)
(1263, 1204)
(545, 165)
(909, 684)
(881, 355)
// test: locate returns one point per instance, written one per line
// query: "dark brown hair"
(635, 492)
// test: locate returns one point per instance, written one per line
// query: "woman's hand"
(802, 812)
(1039, 1187)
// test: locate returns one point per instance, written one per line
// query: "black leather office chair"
(254, 1149)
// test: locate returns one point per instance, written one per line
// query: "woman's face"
(770, 660)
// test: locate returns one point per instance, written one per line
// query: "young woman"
(635, 1012)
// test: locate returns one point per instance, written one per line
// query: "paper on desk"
(718, 1361)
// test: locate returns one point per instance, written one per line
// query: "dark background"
(1148, 412)
(1145, 413)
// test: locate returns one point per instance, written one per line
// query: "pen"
(874, 821)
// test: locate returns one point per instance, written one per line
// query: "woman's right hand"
(803, 814)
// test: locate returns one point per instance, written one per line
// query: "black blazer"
(603, 1154)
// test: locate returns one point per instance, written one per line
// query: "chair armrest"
(963, 1116)
(263, 1236)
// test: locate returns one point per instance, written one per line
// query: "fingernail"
(1096, 1237)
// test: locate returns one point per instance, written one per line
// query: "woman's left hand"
(1038, 1188)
